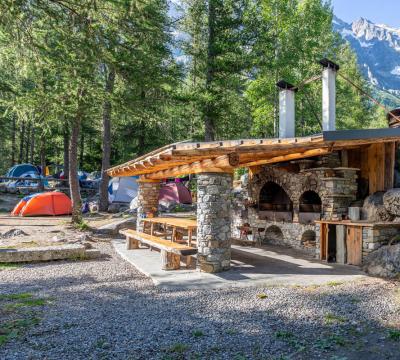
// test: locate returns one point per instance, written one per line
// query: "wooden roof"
(223, 156)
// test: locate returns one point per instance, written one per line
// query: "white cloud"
(396, 71)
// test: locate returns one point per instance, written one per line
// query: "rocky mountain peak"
(378, 50)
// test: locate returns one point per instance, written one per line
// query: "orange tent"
(49, 203)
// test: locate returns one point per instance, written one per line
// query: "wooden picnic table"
(175, 223)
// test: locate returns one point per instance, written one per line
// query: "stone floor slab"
(267, 266)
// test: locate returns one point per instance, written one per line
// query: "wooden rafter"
(222, 164)
(289, 157)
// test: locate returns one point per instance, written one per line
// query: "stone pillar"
(213, 221)
(148, 193)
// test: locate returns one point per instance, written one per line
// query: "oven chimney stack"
(329, 94)
(286, 109)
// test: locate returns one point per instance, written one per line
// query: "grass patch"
(198, 333)
(355, 300)
(394, 334)
(334, 319)
(312, 287)
(20, 312)
(334, 283)
(231, 331)
(330, 342)
(284, 335)
(20, 296)
(262, 296)
(215, 349)
(9, 266)
(26, 303)
(16, 327)
(178, 348)
(82, 226)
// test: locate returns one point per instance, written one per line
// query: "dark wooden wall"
(376, 163)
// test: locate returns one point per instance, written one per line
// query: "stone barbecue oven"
(285, 200)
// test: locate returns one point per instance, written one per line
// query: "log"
(170, 261)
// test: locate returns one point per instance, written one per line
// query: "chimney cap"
(326, 63)
(284, 85)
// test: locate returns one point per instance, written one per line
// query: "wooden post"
(170, 261)
(188, 262)
(345, 158)
(131, 243)
(390, 158)
(341, 253)
(190, 234)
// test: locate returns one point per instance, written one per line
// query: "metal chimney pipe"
(286, 109)
(329, 94)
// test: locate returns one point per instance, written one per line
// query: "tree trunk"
(73, 161)
(42, 159)
(81, 148)
(32, 144)
(13, 141)
(66, 149)
(28, 139)
(105, 163)
(21, 142)
(209, 113)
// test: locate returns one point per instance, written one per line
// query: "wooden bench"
(171, 252)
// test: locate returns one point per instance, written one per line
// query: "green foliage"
(262, 296)
(294, 36)
(394, 334)
(198, 333)
(334, 319)
(9, 266)
(56, 58)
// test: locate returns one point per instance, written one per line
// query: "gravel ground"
(106, 309)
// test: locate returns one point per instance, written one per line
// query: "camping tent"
(19, 170)
(48, 203)
(122, 189)
(175, 192)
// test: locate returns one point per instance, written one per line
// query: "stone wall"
(378, 235)
(336, 187)
(291, 232)
(148, 194)
(213, 221)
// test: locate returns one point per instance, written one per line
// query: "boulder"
(12, 233)
(114, 227)
(384, 262)
(391, 201)
(374, 210)
(114, 208)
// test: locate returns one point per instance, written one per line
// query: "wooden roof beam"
(289, 157)
(222, 164)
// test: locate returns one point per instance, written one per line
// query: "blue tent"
(18, 170)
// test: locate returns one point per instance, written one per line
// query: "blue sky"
(378, 11)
